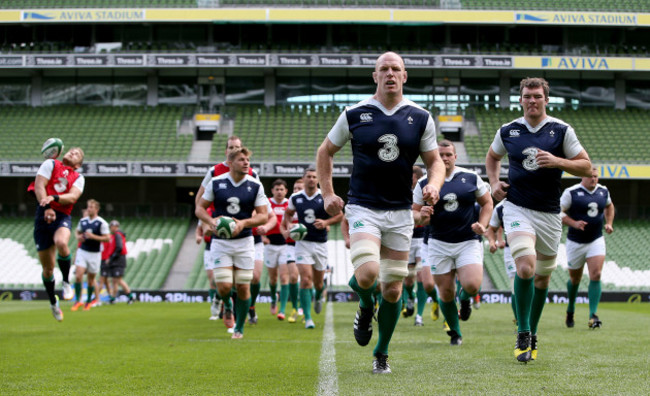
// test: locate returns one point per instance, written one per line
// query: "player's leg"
(576, 258)
(294, 279)
(595, 266)
(445, 278)
(470, 277)
(364, 254)
(80, 265)
(306, 285)
(255, 282)
(271, 261)
(408, 296)
(522, 245)
(224, 280)
(47, 259)
(283, 275)
(320, 266)
(242, 279)
(511, 271)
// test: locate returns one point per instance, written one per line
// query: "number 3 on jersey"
(390, 151)
(310, 216)
(233, 205)
(530, 163)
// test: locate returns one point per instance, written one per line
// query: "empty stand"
(104, 133)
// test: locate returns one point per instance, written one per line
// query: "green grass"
(173, 349)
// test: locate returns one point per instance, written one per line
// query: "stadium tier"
(286, 133)
(105, 133)
(153, 245)
(558, 5)
(608, 135)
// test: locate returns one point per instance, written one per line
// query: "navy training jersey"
(308, 210)
(533, 187)
(589, 206)
(237, 200)
(385, 145)
(454, 213)
(97, 226)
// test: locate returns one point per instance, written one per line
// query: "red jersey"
(61, 181)
(278, 210)
(107, 249)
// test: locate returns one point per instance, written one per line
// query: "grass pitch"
(173, 349)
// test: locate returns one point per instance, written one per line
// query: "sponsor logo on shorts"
(357, 224)
(299, 258)
(515, 224)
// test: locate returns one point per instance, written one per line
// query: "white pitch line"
(328, 383)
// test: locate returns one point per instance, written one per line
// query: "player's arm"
(64, 199)
(198, 233)
(565, 205)
(270, 223)
(435, 175)
(345, 231)
(421, 213)
(490, 234)
(493, 170)
(287, 221)
(580, 165)
(99, 238)
(201, 212)
(201, 190)
(485, 213)
(609, 217)
(260, 216)
(332, 220)
(324, 162)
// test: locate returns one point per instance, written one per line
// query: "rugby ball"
(52, 148)
(298, 232)
(225, 227)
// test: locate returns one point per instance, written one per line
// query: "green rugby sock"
(212, 293)
(594, 292)
(284, 297)
(241, 307)
(293, 294)
(524, 291)
(387, 318)
(227, 300)
(450, 312)
(255, 291)
(539, 299)
(49, 288)
(274, 292)
(365, 295)
(433, 294)
(91, 289)
(64, 266)
(572, 292)
(422, 298)
(77, 291)
(305, 302)
(409, 291)
(319, 293)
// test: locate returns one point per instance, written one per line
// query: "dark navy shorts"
(44, 233)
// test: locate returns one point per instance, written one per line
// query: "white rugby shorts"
(445, 256)
(394, 228)
(578, 253)
(546, 227)
(233, 253)
(89, 260)
(275, 255)
(312, 253)
(259, 251)
(416, 250)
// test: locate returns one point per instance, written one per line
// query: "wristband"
(56, 198)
